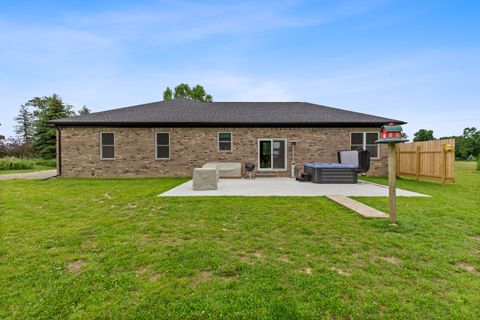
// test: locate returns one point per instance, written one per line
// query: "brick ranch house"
(171, 138)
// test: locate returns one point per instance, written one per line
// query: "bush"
(45, 162)
(15, 164)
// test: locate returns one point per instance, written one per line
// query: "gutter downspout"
(59, 152)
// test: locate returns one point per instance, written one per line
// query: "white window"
(162, 145)
(366, 141)
(225, 141)
(107, 145)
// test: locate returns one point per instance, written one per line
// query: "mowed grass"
(81, 249)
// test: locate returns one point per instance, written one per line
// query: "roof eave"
(222, 124)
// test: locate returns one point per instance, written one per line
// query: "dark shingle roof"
(190, 113)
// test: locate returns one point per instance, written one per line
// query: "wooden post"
(392, 182)
(417, 157)
(443, 165)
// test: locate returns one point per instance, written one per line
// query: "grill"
(250, 168)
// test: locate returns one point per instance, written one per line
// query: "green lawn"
(36, 167)
(80, 249)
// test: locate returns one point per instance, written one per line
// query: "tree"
(84, 111)
(1, 137)
(15, 147)
(24, 127)
(44, 135)
(423, 135)
(183, 90)
(198, 93)
(167, 94)
(461, 150)
(470, 142)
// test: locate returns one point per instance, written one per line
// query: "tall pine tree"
(44, 136)
(167, 94)
(24, 126)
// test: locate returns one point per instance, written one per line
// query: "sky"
(417, 61)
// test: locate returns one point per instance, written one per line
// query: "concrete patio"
(286, 187)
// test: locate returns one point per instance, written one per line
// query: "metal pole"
(292, 168)
(392, 182)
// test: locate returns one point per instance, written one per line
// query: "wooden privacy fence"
(433, 159)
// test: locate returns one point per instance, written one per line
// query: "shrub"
(15, 164)
(45, 162)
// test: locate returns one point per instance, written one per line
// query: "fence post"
(443, 165)
(417, 163)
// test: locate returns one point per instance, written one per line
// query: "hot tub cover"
(329, 165)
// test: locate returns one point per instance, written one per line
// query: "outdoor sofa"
(226, 169)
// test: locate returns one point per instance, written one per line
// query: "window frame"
(162, 145)
(218, 141)
(108, 145)
(271, 169)
(364, 142)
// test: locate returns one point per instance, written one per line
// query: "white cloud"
(181, 22)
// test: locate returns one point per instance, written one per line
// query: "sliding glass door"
(272, 154)
(265, 154)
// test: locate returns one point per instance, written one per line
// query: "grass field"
(79, 248)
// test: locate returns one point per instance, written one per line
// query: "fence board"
(427, 159)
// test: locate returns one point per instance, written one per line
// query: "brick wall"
(192, 147)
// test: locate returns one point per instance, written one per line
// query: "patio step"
(358, 207)
(265, 175)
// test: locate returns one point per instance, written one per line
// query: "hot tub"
(331, 172)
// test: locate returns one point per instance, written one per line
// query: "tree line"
(34, 137)
(467, 145)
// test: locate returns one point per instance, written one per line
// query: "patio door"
(272, 154)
